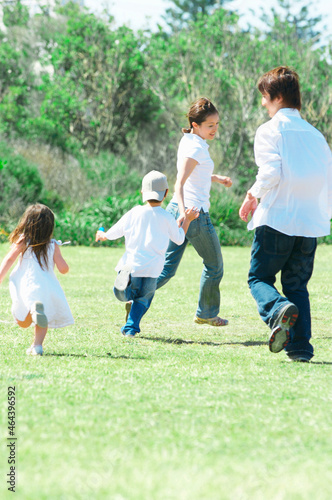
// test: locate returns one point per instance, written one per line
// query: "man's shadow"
(167, 340)
(249, 343)
(85, 356)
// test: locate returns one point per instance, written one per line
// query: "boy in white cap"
(147, 230)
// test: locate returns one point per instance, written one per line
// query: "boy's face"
(272, 106)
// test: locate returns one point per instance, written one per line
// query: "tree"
(190, 10)
(286, 25)
(15, 13)
(97, 94)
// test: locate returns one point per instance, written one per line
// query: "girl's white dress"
(29, 283)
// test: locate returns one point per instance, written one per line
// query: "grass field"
(182, 412)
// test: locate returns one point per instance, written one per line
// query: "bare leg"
(26, 323)
(40, 334)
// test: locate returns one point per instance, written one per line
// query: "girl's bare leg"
(26, 323)
(40, 334)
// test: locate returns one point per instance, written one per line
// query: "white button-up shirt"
(294, 181)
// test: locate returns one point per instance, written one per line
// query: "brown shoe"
(128, 308)
(211, 321)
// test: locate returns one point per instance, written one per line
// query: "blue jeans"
(140, 291)
(203, 237)
(272, 252)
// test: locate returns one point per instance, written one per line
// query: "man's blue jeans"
(272, 252)
(140, 291)
(204, 239)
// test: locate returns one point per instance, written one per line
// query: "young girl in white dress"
(37, 296)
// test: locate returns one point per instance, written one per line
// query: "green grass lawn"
(183, 411)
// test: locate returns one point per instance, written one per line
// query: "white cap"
(154, 185)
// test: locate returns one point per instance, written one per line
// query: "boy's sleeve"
(117, 231)
(268, 160)
(176, 233)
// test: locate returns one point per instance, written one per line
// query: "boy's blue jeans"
(140, 291)
(204, 239)
(272, 252)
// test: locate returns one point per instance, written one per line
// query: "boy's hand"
(100, 236)
(192, 213)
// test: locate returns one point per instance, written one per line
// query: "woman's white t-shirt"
(197, 187)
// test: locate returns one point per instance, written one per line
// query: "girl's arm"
(222, 179)
(60, 262)
(185, 170)
(9, 260)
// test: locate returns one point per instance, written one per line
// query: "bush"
(20, 184)
(80, 228)
(224, 213)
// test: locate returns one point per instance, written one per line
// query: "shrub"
(80, 228)
(20, 184)
(224, 213)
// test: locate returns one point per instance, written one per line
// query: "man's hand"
(248, 207)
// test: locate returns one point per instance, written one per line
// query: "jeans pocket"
(193, 229)
(276, 243)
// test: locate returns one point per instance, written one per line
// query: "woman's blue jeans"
(272, 252)
(140, 291)
(203, 237)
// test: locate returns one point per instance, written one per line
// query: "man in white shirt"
(294, 184)
(147, 230)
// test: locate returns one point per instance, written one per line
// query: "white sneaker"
(38, 316)
(35, 350)
(123, 278)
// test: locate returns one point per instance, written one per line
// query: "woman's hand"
(222, 179)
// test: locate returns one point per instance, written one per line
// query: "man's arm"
(268, 159)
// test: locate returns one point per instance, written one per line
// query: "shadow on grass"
(107, 355)
(310, 362)
(321, 362)
(205, 342)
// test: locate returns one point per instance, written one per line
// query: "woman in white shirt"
(192, 189)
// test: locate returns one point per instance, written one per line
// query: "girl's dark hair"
(282, 82)
(198, 112)
(34, 230)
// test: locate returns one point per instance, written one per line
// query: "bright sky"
(134, 13)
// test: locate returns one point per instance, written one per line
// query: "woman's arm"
(185, 170)
(9, 260)
(60, 262)
(222, 179)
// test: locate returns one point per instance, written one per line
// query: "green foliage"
(189, 10)
(224, 213)
(15, 13)
(81, 227)
(20, 184)
(109, 103)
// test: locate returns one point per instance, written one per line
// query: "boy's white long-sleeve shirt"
(294, 180)
(147, 231)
